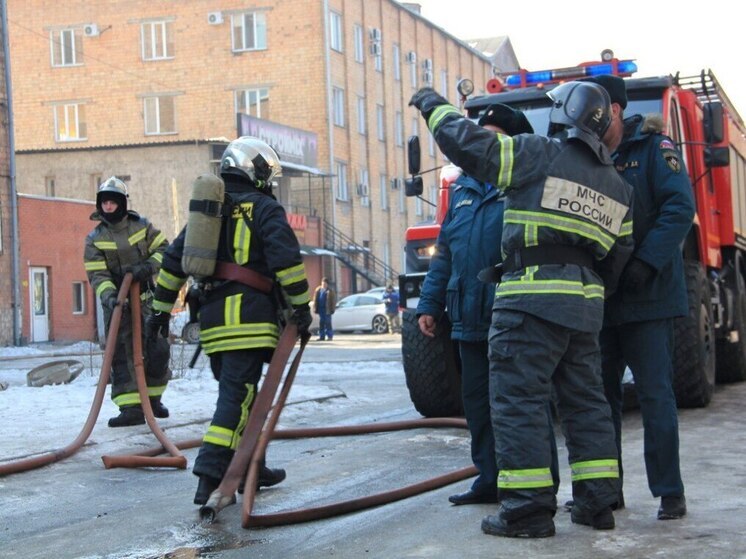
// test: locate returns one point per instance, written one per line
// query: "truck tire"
(731, 357)
(431, 368)
(694, 350)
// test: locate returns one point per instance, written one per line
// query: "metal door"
(39, 298)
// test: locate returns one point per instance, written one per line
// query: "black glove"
(141, 271)
(636, 274)
(302, 318)
(109, 301)
(426, 100)
(157, 324)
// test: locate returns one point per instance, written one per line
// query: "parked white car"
(362, 311)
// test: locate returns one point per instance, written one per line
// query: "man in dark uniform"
(638, 320)
(566, 235)
(239, 314)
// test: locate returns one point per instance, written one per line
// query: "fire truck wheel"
(731, 356)
(694, 350)
(431, 368)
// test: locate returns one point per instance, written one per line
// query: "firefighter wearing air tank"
(254, 250)
(124, 242)
(567, 234)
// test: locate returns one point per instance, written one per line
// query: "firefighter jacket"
(234, 316)
(560, 191)
(469, 240)
(664, 209)
(110, 248)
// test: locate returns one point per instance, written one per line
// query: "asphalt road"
(77, 509)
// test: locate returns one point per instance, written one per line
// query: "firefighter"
(122, 242)
(566, 235)
(239, 305)
(639, 319)
(469, 240)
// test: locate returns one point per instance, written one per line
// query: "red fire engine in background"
(699, 117)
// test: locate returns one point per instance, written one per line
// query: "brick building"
(151, 91)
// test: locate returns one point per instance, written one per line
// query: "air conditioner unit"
(375, 34)
(91, 30)
(427, 65)
(215, 18)
(363, 190)
(375, 49)
(411, 57)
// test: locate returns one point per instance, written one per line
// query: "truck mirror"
(717, 157)
(413, 155)
(413, 186)
(713, 122)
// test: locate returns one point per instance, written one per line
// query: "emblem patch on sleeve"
(672, 160)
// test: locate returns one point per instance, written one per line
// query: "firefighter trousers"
(529, 356)
(647, 348)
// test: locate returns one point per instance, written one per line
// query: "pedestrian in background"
(639, 318)
(123, 242)
(324, 304)
(391, 300)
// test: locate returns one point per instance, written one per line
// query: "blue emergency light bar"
(623, 67)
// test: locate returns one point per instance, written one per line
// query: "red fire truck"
(699, 117)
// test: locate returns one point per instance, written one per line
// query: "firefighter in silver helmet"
(239, 316)
(122, 242)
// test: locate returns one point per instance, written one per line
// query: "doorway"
(39, 298)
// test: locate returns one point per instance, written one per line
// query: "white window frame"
(378, 61)
(335, 32)
(343, 189)
(380, 123)
(402, 200)
(153, 104)
(66, 47)
(384, 183)
(397, 62)
(430, 144)
(415, 127)
(413, 74)
(156, 36)
(79, 286)
(244, 100)
(399, 129)
(362, 127)
(239, 31)
(365, 180)
(66, 116)
(338, 106)
(444, 83)
(357, 33)
(418, 206)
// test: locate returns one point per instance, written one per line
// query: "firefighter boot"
(603, 520)
(538, 524)
(267, 478)
(128, 415)
(159, 410)
(205, 488)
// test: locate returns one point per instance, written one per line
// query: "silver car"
(362, 311)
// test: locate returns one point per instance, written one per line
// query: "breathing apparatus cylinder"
(203, 226)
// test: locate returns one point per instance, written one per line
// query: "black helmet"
(253, 159)
(584, 105)
(112, 189)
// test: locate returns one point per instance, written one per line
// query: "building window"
(399, 129)
(444, 83)
(66, 47)
(433, 198)
(78, 297)
(69, 122)
(361, 115)
(364, 188)
(383, 182)
(387, 254)
(430, 144)
(357, 32)
(402, 199)
(335, 31)
(160, 115)
(338, 106)
(254, 102)
(157, 40)
(415, 127)
(95, 180)
(249, 31)
(49, 186)
(343, 192)
(380, 123)
(412, 59)
(418, 206)
(397, 63)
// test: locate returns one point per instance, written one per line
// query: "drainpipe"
(330, 124)
(15, 279)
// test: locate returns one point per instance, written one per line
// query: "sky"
(663, 37)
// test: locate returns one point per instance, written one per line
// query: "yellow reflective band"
(245, 408)
(232, 310)
(169, 281)
(241, 330)
(219, 436)
(162, 306)
(595, 469)
(137, 237)
(103, 286)
(127, 399)
(292, 275)
(439, 114)
(300, 299)
(549, 287)
(505, 175)
(105, 245)
(95, 266)
(235, 344)
(567, 224)
(525, 479)
(241, 242)
(154, 391)
(626, 228)
(159, 238)
(157, 257)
